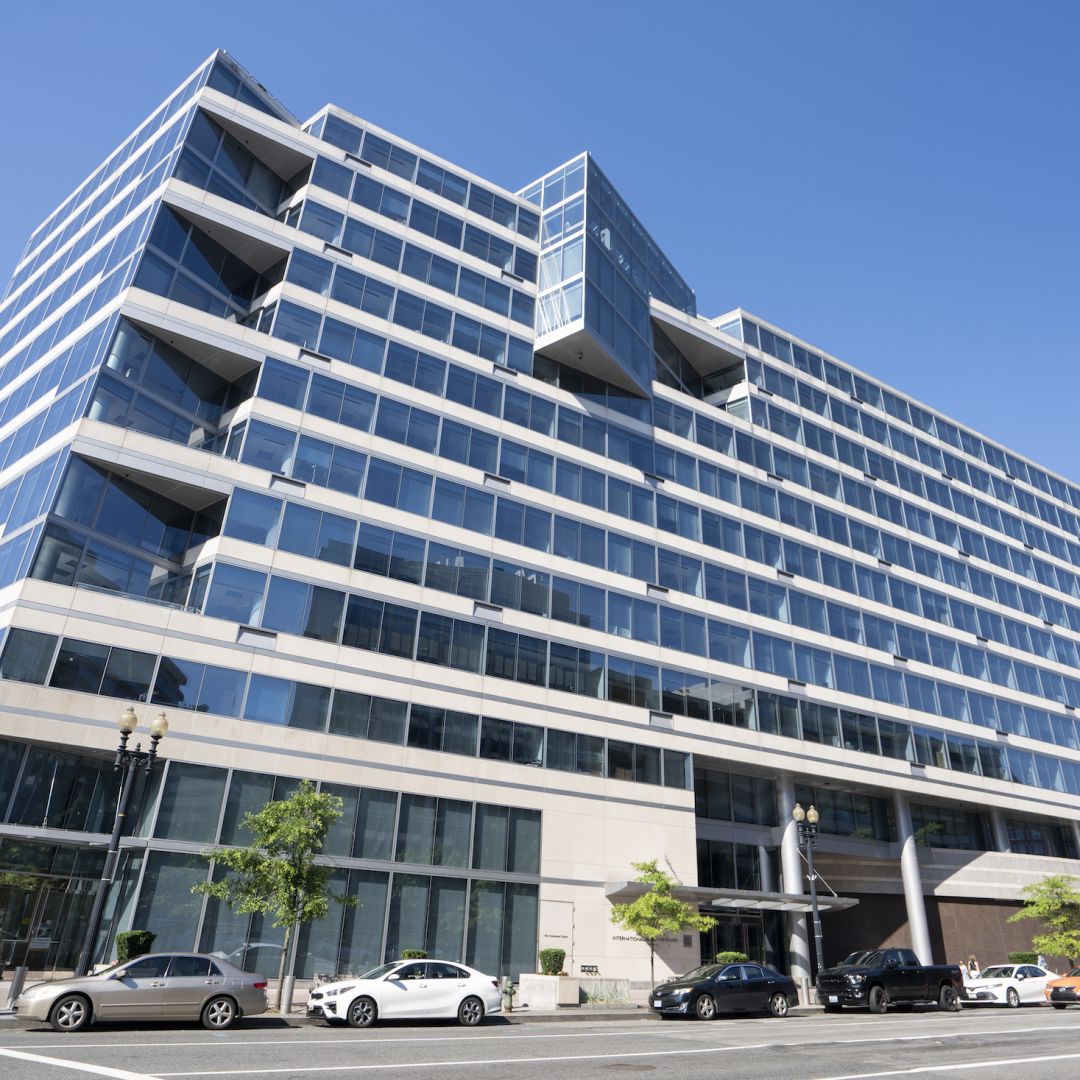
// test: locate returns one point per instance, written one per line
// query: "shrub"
(132, 943)
(414, 954)
(1023, 958)
(731, 958)
(551, 961)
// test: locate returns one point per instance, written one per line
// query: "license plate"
(833, 999)
(656, 1001)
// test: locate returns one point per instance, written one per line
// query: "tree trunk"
(282, 967)
(652, 962)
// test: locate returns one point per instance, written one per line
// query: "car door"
(189, 982)
(406, 992)
(756, 987)
(1033, 985)
(136, 992)
(449, 984)
(906, 979)
(729, 989)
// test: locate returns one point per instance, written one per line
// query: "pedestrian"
(973, 967)
(1041, 961)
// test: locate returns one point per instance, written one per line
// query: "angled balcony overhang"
(273, 142)
(254, 244)
(575, 346)
(707, 349)
(192, 489)
(623, 892)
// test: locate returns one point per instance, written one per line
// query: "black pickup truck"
(878, 978)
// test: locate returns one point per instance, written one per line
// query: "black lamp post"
(807, 821)
(130, 760)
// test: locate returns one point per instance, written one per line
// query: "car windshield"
(996, 973)
(866, 958)
(706, 971)
(380, 971)
(1074, 974)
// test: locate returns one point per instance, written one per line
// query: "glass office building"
(366, 470)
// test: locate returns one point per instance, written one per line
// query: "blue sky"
(896, 183)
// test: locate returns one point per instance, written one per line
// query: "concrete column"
(912, 877)
(1000, 831)
(791, 868)
(768, 878)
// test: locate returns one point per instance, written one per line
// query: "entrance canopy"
(623, 892)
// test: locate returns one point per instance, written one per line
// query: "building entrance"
(743, 933)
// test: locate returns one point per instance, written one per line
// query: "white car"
(1008, 984)
(408, 990)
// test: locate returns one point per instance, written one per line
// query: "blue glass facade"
(468, 467)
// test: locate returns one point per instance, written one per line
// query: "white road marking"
(348, 1041)
(954, 1067)
(621, 1057)
(478, 1061)
(334, 1040)
(78, 1066)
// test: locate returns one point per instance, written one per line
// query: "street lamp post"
(807, 822)
(130, 760)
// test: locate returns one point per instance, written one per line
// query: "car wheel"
(70, 1013)
(219, 1014)
(949, 999)
(778, 1005)
(470, 1012)
(705, 1007)
(1012, 998)
(362, 1013)
(878, 999)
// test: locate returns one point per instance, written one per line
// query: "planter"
(549, 991)
(567, 991)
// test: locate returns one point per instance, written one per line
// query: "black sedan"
(712, 989)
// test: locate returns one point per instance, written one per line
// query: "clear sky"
(894, 182)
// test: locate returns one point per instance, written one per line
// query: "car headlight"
(339, 990)
(856, 978)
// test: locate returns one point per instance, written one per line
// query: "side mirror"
(116, 975)
(892, 962)
(1020, 976)
(393, 977)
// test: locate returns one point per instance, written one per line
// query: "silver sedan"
(161, 986)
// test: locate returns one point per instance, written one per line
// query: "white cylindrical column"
(912, 878)
(1000, 831)
(791, 868)
(768, 878)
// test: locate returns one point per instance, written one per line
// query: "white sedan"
(1008, 984)
(408, 990)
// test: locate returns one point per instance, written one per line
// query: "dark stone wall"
(958, 928)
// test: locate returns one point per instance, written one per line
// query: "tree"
(1056, 904)
(277, 874)
(656, 912)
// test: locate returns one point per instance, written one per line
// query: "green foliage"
(1023, 958)
(277, 874)
(656, 912)
(414, 954)
(731, 958)
(1055, 902)
(132, 943)
(924, 835)
(21, 882)
(551, 961)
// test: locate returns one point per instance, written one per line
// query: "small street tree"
(276, 874)
(1055, 902)
(656, 912)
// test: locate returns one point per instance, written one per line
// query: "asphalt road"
(1028, 1044)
